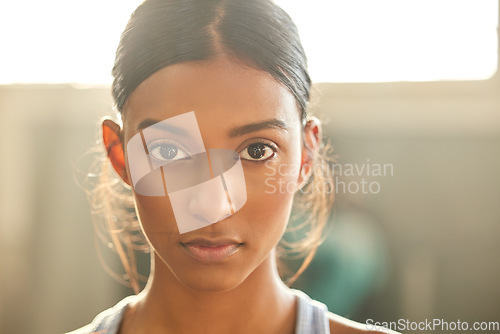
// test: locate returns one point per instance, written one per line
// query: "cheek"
(270, 191)
(158, 224)
(156, 218)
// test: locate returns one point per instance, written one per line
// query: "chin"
(211, 280)
(218, 277)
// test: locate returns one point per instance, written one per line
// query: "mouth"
(211, 251)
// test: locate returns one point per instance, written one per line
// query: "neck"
(261, 304)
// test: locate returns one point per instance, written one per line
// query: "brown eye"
(257, 152)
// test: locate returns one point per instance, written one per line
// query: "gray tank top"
(312, 317)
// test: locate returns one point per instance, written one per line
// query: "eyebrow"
(253, 127)
(235, 132)
(147, 122)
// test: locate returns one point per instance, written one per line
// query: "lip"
(211, 251)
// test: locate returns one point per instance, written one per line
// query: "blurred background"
(409, 86)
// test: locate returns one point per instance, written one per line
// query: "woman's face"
(225, 96)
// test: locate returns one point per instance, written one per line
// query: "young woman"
(192, 77)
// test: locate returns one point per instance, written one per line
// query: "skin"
(243, 293)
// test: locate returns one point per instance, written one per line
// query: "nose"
(210, 202)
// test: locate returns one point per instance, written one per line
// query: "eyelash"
(158, 143)
(267, 143)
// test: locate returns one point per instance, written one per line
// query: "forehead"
(218, 90)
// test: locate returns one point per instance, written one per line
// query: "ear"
(111, 135)
(311, 142)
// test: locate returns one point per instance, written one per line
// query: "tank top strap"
(312, 316)
(109, 321)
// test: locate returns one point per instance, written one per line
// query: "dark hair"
(166, 32)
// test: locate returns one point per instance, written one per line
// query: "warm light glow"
(346, 40)
(395, 40)
(57, 41)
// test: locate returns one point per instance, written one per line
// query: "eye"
(257, 152)
(163, 150)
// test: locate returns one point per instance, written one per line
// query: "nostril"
(201, 218)
(224, 216)
(209, 221)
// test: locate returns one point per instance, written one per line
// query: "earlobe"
(114, 148)
(310, 149)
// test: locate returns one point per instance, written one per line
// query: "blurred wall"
(439, 210)
(438, 213)
(51, 279)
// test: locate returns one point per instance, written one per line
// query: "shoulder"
(314, 317)
(108, 321)
(341, 325)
